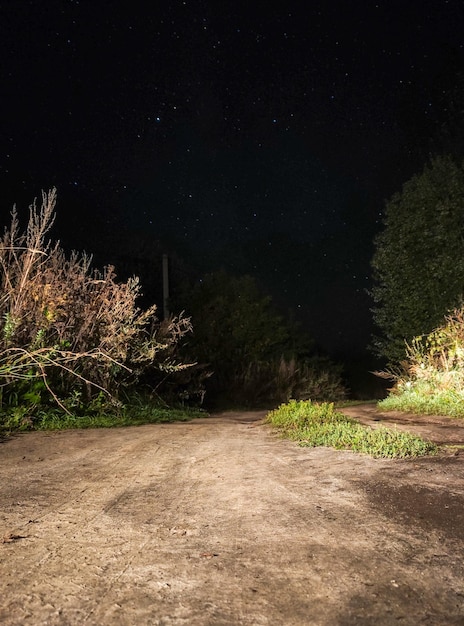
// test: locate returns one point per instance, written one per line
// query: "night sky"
(261, 137)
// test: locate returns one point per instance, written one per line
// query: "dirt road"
(218, 522)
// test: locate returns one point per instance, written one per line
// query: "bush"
(431, 378)
(279, 380)
(68, 331)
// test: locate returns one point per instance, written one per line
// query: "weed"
(321, 425)
(70, 332)
(126, 415)
(431, 379)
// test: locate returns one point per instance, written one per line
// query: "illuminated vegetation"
(431, 379)
(321, 425)
(72, 338)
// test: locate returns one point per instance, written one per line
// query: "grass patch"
(321, 425)
(418, 400)
(129, 415)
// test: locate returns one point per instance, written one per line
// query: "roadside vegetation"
(418, 265)
(127, 415)
(431, 378)
(75, 348)
(313, 425)
(418, 271)
(77, 351)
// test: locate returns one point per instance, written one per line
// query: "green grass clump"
(418, 400)
(321, 425)
(127, 415)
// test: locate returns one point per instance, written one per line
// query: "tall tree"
(235, 326)
(418, 265)
(234, 322)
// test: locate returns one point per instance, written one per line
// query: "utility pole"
(165, 286)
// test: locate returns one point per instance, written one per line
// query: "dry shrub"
(68, 324)
(279, 380)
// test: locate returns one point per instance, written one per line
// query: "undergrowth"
(421, 401)
(431, 379)
(70, 333)
(134, 414)
(321, 425)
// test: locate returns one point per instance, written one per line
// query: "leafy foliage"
(256, 357)
(418, 264)
(234, 325)
(97, 415)
(431, 379)
(321, 425)
(69, 331)
(236, 319)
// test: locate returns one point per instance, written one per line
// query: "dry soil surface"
(219, 522)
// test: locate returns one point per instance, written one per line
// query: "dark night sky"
(258, 136)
